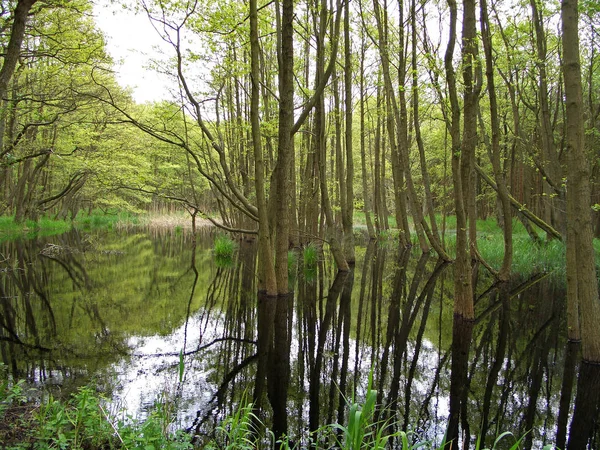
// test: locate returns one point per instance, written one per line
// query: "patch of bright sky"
(133, 43)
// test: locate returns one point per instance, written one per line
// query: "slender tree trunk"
(503, 195)
(320, 145)
(583, 273)
(366, 193)
(463, 290)
(286, 122)
(397, 129)
(552, 170)
(464, 313)
(417, 127)
(348, 213)
(266, 279)
(471, 72)
(379, 191)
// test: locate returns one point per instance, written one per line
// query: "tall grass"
(10, 230)
(224, 247)
(84, 422)
(104, 220)
(363, 431)
(310, 256)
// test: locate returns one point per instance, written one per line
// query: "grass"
(224, 248)
(362, 431)
(104, 220)
(96, 220)
(84, 421)
(10, 230)
(310, 256)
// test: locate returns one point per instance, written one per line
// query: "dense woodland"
(289, 117)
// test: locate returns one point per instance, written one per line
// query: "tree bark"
(286, 122)
(13, 48)
(348, 214)
(266, 279)
(504, 273)
(583, 272)
(463, 290)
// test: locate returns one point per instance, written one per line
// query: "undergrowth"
(82, 422)
(85, 422)
(10, 230)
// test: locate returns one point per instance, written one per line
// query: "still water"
(121, 310)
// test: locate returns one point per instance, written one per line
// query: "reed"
(310, 256)
(224, 247)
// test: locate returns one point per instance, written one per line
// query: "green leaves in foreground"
(84, 422)
(362, 430)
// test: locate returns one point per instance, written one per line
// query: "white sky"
(132, 41)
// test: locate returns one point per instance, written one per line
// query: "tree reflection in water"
(78, 306)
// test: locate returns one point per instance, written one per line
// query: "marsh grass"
(105, 220)
(10, 230)
(84, 422)
(223, 248)
(363, 430)
(95, 220)
(310, 256)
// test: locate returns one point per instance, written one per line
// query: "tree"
(50, 119)
(583, 291)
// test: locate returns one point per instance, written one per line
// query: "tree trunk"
(363, 164)
(552, 169)
(471, 72)
(583, 271)
(320, 145)
(266, 270)
(348, 213)
(463, 290)
(13, 49)
(286, 122)
(504, 273)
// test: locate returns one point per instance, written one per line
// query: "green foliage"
(292, 259)
(310, 256)
(10, 392)
(292, 263)
(79, 423)
(104, 220)
(83, 422)
(224, 247)
(237, 431)
(10, 230)
(362, 430)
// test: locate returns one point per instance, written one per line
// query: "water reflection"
(120, 308)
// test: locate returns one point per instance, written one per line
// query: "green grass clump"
(83, 422)
(363, 431)
(310, 256)
(10, 230)
(103, 220)
(224, 247)
(237, 431)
